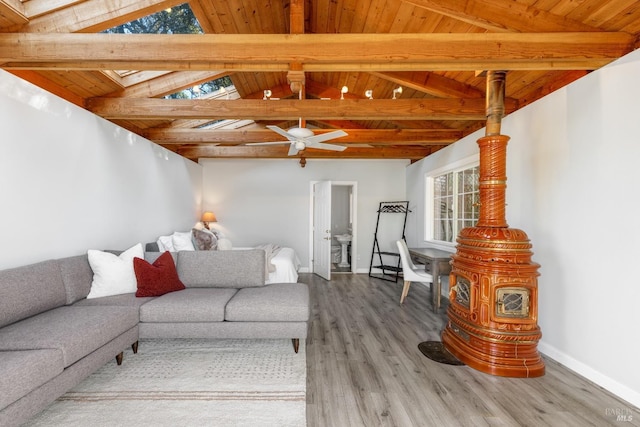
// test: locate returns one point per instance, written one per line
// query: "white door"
(322, 229)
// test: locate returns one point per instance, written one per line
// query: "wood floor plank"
(365, 369)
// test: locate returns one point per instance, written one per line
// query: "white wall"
(71, 181)
(267, 201)
(572, 186)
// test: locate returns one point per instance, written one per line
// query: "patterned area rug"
(190, 383)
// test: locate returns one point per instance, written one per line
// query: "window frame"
(455, 167)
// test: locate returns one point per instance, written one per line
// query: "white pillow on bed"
(182, 241)
(178, 241)
(165, 243)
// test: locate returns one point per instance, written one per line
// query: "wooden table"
(436, 262)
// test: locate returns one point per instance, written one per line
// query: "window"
(454, 200)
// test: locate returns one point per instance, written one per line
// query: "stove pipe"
(493, 296)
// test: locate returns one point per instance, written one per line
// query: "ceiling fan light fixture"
(368, 93)
(299, 132)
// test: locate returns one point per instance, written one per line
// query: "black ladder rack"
(386, 261)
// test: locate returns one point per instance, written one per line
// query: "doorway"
(333, 227)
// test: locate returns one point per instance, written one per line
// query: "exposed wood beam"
(12, 14)
(432, 83)
(290, 109)
(502, 15)
(355, 136)
(296, 17)
(280, 152)
(317, 52)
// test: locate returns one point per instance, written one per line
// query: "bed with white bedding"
(286, 264)
(281, 263)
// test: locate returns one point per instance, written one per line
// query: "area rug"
(190, 382)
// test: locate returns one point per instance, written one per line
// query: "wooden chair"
(410, 272)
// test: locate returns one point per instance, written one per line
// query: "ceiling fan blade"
(282, 132)
(331, 147)
(325, 137)
(269, 143)
(292, 150)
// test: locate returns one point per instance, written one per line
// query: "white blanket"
(287, 265)
(284, 262)
(270, 251)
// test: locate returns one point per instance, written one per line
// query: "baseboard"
(609, 384)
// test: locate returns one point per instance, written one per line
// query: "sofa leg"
(296, 344)
(119, 358)
(134, 347)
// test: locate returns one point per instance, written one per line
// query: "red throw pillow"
(158, 278)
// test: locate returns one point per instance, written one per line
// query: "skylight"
(175, 20)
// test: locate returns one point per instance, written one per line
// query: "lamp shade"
(209, 217)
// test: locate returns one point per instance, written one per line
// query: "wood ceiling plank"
(503, 15)
(616, 16)
(40, 80)
(92, 16)
(34, 9)
(317, 52)
(291, 109)
(355, 136)
(200, 11)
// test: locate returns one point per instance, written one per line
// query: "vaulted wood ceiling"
(434, 49)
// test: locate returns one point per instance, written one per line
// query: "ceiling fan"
(300, 138)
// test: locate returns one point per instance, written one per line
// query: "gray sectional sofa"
(52, 336)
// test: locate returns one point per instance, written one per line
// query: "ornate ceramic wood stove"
(493, 308)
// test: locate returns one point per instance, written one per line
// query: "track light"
(343, 91)
(369, 94)
(397, 91)
(266, 94)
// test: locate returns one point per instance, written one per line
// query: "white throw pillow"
(113, 274)
(165, 243)
(182, 241)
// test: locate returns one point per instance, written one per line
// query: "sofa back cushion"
(77, 276)
(29, 290)
(222, 269)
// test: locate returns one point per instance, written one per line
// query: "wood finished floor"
(364, 369)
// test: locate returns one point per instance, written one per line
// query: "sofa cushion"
(122, 300)
(222, 269)
(76, 276)
(158, 278)
(278, 302)
(189, 305)
(29, 290)
(113, 274)
(74, 330)
(25, 370)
